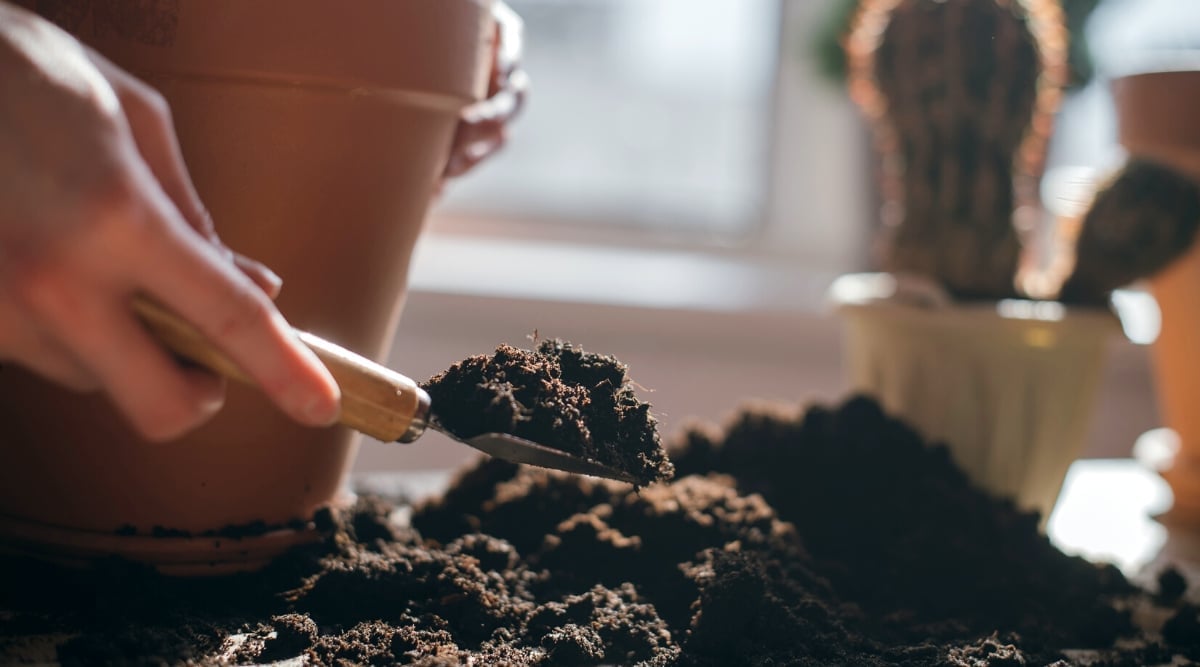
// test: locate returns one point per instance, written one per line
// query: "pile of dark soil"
(831, 538)
(557, 395)
(898, 528)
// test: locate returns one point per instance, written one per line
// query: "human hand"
(95, 206)
(483, 128)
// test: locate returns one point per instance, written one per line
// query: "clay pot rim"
(1160, 64)
(1155, 116)
(450, 102)
(320, 43)
(1168, 79)
(1169, 73)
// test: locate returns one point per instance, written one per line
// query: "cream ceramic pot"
(315, 132)
(1008, 387)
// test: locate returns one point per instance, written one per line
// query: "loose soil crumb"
(835, 537)
(1171, 585)
(557, 395)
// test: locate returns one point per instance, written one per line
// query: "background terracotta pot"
(315, 131)
(1158, 116)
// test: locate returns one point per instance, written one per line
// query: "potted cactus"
(959, 336)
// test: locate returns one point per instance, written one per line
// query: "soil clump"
(557, 395)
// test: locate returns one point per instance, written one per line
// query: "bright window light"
(642, 114)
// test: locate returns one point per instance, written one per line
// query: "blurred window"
(644, 113)
(1125, 37)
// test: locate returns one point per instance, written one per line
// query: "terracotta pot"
(1157, 116)
(1176, 369)
(1007, 386)
(315, 131)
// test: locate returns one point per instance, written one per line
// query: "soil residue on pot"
(831, 537)
(557, 395)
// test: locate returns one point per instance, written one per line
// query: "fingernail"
(274, 282)
(322, 412)
(211, 406)
(265, 272)
(271, 277)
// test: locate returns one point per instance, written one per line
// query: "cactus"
(961, 95)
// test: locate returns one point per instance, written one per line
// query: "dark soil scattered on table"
(235, 531)
(831, 538)
(557, 395)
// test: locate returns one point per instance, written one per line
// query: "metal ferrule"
(420, 419)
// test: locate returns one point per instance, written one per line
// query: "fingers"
(209, 285)
(510, 43)
(162, 399)
(49, 359)
(54, 362)
(153, 131)
(109, 211)
(159, 398)
(265, 278)
(150, 123)
(483, 129)
(506, 103)
(189, 275)
(474, 144)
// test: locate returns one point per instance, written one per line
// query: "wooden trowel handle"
(376, 400)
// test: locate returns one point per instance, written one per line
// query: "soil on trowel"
(557, 395)
(832, 537)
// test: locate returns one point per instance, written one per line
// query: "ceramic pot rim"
(918, 299)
